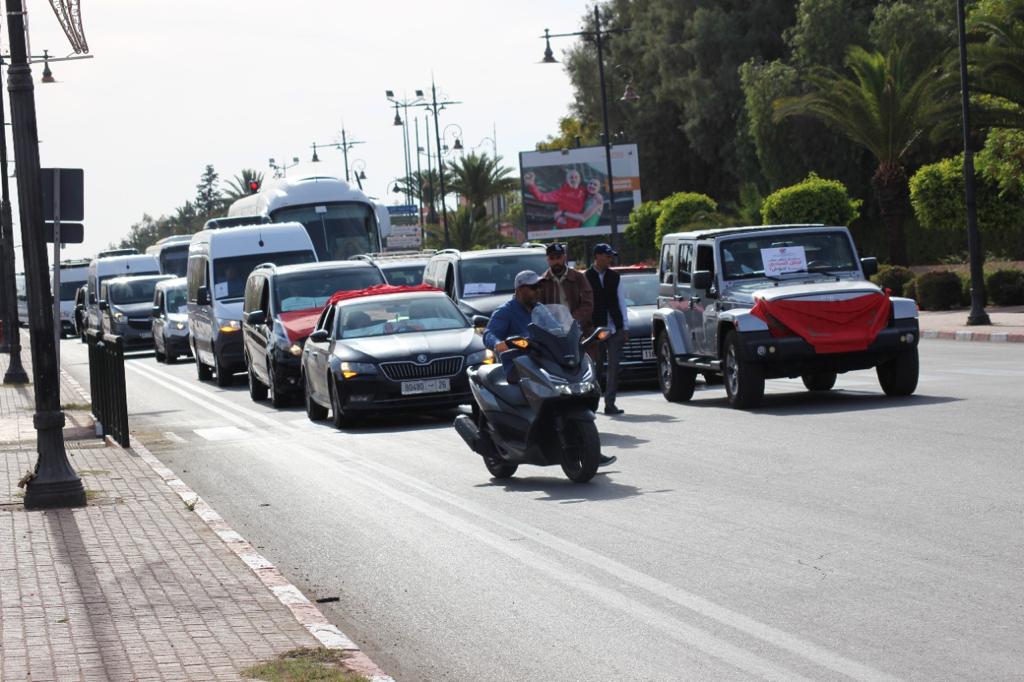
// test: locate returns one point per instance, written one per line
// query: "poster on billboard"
(565, 192)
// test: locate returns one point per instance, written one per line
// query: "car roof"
(312, 267)
(726, 231)
(490, 253)
(400, 296)
(135, 278)
(389, 257)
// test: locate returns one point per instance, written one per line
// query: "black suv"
(280, 309)
(480, 281)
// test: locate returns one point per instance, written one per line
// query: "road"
(820, 536)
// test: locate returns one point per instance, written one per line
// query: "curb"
(964, 335)
(304, 611)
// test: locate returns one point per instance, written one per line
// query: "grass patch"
(92, 472)
(191, 505)
(76, 406)
(92, 494)
(304, 665)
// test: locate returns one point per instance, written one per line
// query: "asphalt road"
(843, 535)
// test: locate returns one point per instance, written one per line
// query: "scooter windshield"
(554, 319)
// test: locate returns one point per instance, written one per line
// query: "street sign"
(405, 237)
(72, 191)
(404, 209)
(70, 233)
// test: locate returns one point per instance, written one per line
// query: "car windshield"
(404, 275)
(398, 316)
(123, 293)
(497, 274)
(554, 318)
(68, 290)
(305, 290)
(175, 300)
(338, 231)
(229, 274)
(640, 288)
(772, 255)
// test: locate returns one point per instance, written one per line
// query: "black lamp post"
(53, 483)
(598, 35)
(281, 169)
(405, 103)
(435, 107)
(359, 172)
(345, 145)
(15, 373)
(977, 316)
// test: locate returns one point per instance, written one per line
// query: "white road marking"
(223, 433)
(693, 635)
(161, 380)
(173, 437)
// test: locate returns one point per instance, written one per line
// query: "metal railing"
(106, 383)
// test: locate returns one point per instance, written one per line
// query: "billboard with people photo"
(565, 192)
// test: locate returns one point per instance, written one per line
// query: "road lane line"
(201, 401)
(781, 639)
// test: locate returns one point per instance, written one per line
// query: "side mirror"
(701, 280)
(869, 266)
(203, 296)
(155, 312)
(319, 336)
(92, 299)
(103, 305)
(480, 320)
(255, 317)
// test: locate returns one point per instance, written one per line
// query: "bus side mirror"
(203, 296)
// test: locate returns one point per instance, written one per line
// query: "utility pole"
(53, 483)
(431, 213)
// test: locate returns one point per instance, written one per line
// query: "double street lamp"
(435, 107)
(281, 169)
(345, 145)
(405, 103)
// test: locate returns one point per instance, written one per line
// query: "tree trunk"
(890, 185)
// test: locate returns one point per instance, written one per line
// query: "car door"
(158, 319)
(315, 357)
(706, 302)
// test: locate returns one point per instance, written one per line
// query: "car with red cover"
(756, 303)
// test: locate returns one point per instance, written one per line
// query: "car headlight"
(228, 326)
(483, 357)
(179, 325)
(295, 349)
(118, 316)
(352, 369)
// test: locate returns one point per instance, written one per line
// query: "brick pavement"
(134, 586)
(1007, 325)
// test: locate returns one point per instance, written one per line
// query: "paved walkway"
(136, 585)
(1007, 325)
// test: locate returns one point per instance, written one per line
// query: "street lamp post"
(431, 212)
(977, 316)
(15, 373)
(53, 483)
(405, 103)
(345, 145)
(281, 170)
(359, 171)
(599, 35)
(434, 107)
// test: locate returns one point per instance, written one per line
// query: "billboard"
(565, 192)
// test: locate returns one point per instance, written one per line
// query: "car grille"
(634, 349)
(142, 324)
(439, 367)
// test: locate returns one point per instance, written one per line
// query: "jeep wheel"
(820, 381)
(899, 376)
(677, 383)
(744, 381)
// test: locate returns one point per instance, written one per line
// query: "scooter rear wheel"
(499, 468)
(583, 454)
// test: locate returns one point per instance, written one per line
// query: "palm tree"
(885, 105)
(238, 186)
(423, 186)
(996, 57)
(465, 232)
(478, 179)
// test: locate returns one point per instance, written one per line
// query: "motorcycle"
(547, 417)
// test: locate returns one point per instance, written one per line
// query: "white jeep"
(756, 303)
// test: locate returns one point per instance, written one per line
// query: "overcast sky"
(173, 86)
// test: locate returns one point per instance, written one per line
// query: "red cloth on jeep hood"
(378, 289)
(830, 326)
(298, 324)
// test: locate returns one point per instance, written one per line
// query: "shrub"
(685, 211)
(815, 200)
(938, 290)
(910, 289)
(1006, 287)
(937, 196)
(641, 230)
(893, 277)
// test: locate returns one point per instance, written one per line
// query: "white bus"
(341, 221)
(172, 254)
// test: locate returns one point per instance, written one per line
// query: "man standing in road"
(609, 311)
(566, 286)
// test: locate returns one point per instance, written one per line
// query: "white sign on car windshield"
(220, 289)
(783, 259)
(478, 289)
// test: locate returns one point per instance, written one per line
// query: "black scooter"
(547, 417)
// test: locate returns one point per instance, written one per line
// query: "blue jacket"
(511, 319)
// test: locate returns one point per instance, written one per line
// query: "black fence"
(106, 382)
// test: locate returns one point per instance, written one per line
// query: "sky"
(173, 86)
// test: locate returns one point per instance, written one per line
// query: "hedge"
(894, 277)
(814, 200)
(1005, 287)
(938, 290)
(684, 211)
(937, 196)
(642, 226)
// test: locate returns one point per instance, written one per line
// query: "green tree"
(208, 196)
(815, 200)
(466, 234)
(480, 178)
(424, 186)
(238, 186)
(641, 230)
(571, 133)
(685, 211)
(997, 57)
(884, 105)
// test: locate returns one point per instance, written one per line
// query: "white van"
(22, 294)
(73, 274)
(219, 262)
(102, 269)
(172, 254)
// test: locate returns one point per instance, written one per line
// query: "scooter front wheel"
(582, 451)
(499, 468)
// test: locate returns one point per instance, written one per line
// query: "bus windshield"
(338, 230)
(174, 259)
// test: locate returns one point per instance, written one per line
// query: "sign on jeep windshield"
(770, 255)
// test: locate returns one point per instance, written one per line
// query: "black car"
(389, 351)
(126, 306)
(639, 286)
(281, 305)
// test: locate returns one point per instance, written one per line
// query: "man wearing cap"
(609, 311)
(513, 317)
(564, 285)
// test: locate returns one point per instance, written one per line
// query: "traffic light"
(254, 186)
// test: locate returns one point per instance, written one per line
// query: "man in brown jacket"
(562, 284)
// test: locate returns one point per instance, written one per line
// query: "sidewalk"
(147, 582)
(1007, 325)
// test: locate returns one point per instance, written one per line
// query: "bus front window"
(338, 231)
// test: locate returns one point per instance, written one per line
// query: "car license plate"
(648, 354)
(426, 386)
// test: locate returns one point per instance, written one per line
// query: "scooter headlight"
(483, 357)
